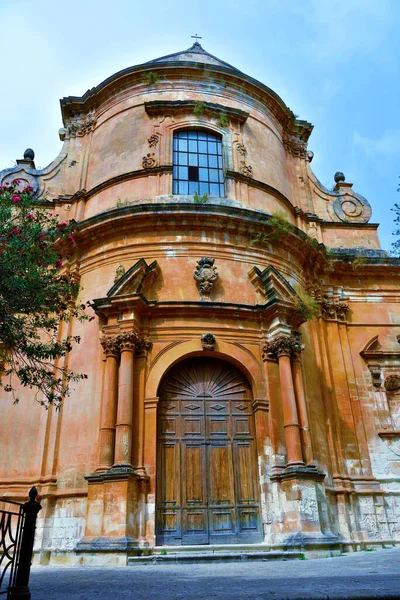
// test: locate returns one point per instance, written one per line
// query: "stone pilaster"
(108, 404)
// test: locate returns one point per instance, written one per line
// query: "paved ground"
(362, 575)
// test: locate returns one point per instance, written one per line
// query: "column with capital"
(123, 434)
(283, 347)
(109, 404)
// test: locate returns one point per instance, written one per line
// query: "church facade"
(243, 367)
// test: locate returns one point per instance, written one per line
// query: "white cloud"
(388, 144)
(341, 29)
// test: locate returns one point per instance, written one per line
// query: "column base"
(304, 472)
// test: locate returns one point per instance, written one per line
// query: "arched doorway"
(207, 484)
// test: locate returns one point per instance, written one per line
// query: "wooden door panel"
(193, 427)
(244, 471)
(169, 474)
(220, 473)
(193, 474)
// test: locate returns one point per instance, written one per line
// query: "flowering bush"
(35, 297)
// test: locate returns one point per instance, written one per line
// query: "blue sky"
(334, 62)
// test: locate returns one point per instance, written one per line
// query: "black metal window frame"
(197, 163)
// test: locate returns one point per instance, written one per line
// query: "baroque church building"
(243, 367)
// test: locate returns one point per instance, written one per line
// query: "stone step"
(190, 556)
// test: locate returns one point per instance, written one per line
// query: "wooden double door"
(207, 484)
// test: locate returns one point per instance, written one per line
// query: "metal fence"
(17, 534)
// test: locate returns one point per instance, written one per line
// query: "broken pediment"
(272, 286)
(136, 280)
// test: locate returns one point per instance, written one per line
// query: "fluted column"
(282, 347)
(123, 433)
(108, 404)
(302, 408)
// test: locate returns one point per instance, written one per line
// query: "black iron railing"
(17, 534)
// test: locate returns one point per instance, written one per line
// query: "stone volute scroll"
(205, 275)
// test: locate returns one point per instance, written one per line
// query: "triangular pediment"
(272, 285)
(136, 280)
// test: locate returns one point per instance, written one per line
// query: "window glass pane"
(183, 145)
(193, 174)
(183, 187)
(193, 187)
(212, 161)
(203, 174)
(214, 189)
(213, 175)
(197, 163)
(183, 173)
(203, 160)
(203, 147)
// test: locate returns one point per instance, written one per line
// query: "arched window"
(197, 166)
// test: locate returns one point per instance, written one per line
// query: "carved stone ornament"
(392, 383)
(283, 345)
(128, 340)
(208, 341)
(246, 170)
(110, 345)
(352, 209)
(153, 140)
(143, 346)
(334, 310)
(148, 162)
(294, 145)
(241, 148)
(205, 274)
(79, 127)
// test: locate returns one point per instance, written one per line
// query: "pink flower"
(92, 318)
(30, 216)
(28, 189)
(7, 184)
(42, 236)
(15, 198)
(62, 225)
(16, 181)
(15, 231)
(58, 264)
(71, 239)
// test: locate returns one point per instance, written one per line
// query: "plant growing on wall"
(223, 121)
(36, 296)
(280, 227)
(306, 305)
(199, 109)
(150, 78)
(203, 199)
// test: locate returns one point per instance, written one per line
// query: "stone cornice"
(134, 77)
(162, 107)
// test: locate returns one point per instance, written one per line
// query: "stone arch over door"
(207, 488)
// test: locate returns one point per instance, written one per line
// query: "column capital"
(334, 309)
(128, 340)
(110, 345)
(282, 345)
